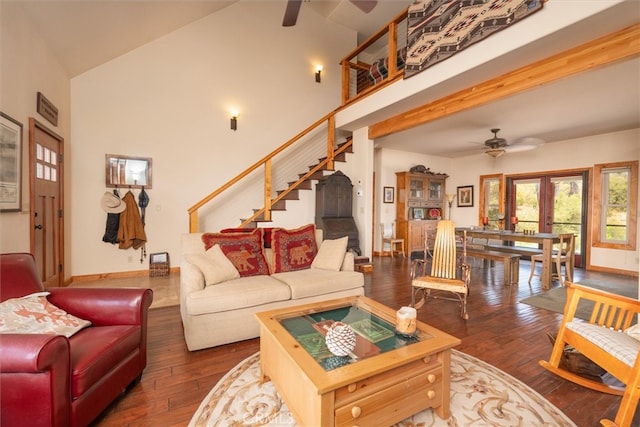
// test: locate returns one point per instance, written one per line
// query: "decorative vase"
(340, 339)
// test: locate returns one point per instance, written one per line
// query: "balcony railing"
(368, 69)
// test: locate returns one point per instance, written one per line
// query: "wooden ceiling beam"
(615, 47)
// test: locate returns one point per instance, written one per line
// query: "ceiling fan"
(293, 8)
(496, 146)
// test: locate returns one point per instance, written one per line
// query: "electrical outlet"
(130, 259)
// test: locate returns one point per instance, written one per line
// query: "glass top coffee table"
(384, 379)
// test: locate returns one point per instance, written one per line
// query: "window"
(491, 199)
(615, 208)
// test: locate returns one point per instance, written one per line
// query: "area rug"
(556, 298)
(481, 395)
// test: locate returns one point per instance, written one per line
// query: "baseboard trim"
(115, 275)
(601, 269)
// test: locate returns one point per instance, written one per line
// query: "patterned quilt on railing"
(380, 68)
(438, 29)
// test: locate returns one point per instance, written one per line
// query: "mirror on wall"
(127, 171)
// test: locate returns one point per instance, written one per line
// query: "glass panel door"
(550, 204)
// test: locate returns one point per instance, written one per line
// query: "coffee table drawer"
(394, 403)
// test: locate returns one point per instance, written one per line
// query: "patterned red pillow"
(293, 249)
(244, 250)
(266, 235)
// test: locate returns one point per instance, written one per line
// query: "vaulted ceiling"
(85, 34)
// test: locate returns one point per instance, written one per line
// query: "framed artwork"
(388, 195)
(418, 213)
(465, 196)
(10, 164)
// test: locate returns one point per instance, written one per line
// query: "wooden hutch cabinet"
(420, 204)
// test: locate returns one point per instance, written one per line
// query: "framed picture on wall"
(388, 195)
(465, 196)
(10, 164)
(418, 213)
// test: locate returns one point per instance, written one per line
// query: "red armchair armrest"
(34, 368)
(104, 306)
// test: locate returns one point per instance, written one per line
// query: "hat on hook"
(111, 203)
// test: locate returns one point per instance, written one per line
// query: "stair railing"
(266, 162)
(349, 63)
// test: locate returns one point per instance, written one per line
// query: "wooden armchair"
(603, 340)
(444, 277)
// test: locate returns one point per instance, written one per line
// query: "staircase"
(304, 182)
(295, 153)
(352, 65)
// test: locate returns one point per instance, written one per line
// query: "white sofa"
(224, 312)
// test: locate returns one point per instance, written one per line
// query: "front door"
(551, 203)
(46, 189)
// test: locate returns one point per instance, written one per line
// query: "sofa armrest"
(104, 306)
(32, 353)
(35, 368)
(349, 261)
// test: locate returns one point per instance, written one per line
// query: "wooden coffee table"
(387, 378)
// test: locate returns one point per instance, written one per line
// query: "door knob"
(38, 227)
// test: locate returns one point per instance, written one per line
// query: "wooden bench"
(511, 262)
(523, 251)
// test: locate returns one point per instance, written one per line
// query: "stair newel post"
(193, 221)
(331, 140)
(267, 189)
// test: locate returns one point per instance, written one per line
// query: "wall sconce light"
(318, 73)
(450, 198)
(234, 120)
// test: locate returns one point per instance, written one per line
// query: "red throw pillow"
(266, 235)
(293, 249)
(244, 250)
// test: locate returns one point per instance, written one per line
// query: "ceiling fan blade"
(365, 5)
(291, 13)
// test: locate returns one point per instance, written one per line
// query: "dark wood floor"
(501, 331)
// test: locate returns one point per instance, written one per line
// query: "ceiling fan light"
(495, 152)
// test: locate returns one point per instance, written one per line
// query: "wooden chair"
(603, 340)
(563, 255)
(389, 237)
(444, 277)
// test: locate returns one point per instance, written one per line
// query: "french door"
(551, 203)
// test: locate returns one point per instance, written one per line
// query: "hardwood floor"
(501, 331)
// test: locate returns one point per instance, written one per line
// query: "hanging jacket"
(131, 230)
(111, 228)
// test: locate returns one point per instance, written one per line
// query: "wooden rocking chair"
(602, 339)
(444, 269)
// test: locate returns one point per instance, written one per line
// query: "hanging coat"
(131, 230)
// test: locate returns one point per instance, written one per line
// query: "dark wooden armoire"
(334, 209)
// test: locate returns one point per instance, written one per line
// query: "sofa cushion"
(237, 294)
(293, 249)
(34, 314)
(214, 265)
(244, 250)
(314, 281)
(96, 351)
(331, 254)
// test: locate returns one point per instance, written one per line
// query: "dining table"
(547, 241)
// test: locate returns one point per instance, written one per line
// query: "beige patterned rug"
(481, 395)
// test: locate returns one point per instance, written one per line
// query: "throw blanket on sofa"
(438, 29)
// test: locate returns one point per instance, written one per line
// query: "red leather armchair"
(49, 380)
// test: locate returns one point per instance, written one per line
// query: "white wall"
(170, 100)
(569, 154)
(27, 66)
